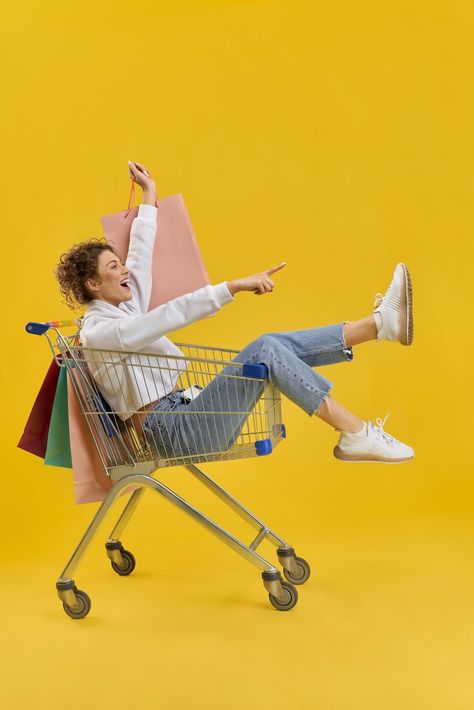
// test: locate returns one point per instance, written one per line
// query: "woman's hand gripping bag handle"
(177, 266)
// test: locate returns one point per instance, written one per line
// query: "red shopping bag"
(35, 436)
(178, 266)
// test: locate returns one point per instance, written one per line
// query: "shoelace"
(379, 298)
(390, 298)
(380, 425)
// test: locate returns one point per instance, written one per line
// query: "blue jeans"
(180, 428)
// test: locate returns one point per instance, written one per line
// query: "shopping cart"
(131, 455)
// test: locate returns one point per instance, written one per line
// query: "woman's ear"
(92, 285)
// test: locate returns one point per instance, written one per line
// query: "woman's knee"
(265, 342)
(256, 349)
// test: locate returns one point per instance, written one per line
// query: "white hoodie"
(131, 328)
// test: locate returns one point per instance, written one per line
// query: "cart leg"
(95, 523)
(283, 595)
(233, 503)
(211, 526)
(65, 585)
(286, 554)
(150, 482)
(126, 514)
(113, 545)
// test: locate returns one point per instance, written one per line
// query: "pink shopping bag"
(91, 483)
(178, 267)
(90, 480)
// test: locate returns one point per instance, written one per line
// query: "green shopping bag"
(58, 449)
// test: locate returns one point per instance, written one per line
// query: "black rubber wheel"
(304, 572)
(83, 608)
(289, 602)
(129, 564)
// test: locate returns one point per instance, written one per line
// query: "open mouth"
(125, 283)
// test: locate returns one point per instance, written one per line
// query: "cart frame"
(140, 474)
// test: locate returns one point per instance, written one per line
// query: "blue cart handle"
(42, 328)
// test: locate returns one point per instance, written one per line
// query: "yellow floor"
(337, 137)
(385, 621)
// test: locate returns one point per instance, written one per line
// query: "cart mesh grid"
(118, 434)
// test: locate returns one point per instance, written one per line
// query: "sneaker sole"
(405, 317)
(355, 458)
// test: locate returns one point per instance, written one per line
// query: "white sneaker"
(396, 308)
(376, 445)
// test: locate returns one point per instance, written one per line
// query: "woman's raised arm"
(142, 241)
(143, 178)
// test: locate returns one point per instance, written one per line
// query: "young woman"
(117, 297)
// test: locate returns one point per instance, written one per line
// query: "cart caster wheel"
(129, 561)
(291, 597)
(83, 605)
(304, 572)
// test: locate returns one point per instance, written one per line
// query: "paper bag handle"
(132, 197)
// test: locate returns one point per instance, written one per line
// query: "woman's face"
(112, 284)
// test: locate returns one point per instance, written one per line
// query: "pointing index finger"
(276, 268)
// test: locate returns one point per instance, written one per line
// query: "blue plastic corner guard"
(263, 447)
(279, 430)
(258, 370)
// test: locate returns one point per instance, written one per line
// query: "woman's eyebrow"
(111, 261)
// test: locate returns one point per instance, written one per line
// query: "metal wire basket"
(119, 434)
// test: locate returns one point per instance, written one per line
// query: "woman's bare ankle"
(339, 417)
(360, 331)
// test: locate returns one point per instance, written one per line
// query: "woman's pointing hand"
(258, 283)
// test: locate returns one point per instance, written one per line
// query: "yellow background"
(337, 137)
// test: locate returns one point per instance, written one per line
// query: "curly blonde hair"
(76, 266)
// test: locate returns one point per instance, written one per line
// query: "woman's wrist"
(233, 287)
(149, 196)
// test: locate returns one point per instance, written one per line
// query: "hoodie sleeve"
(139, 259)
(135, 332)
